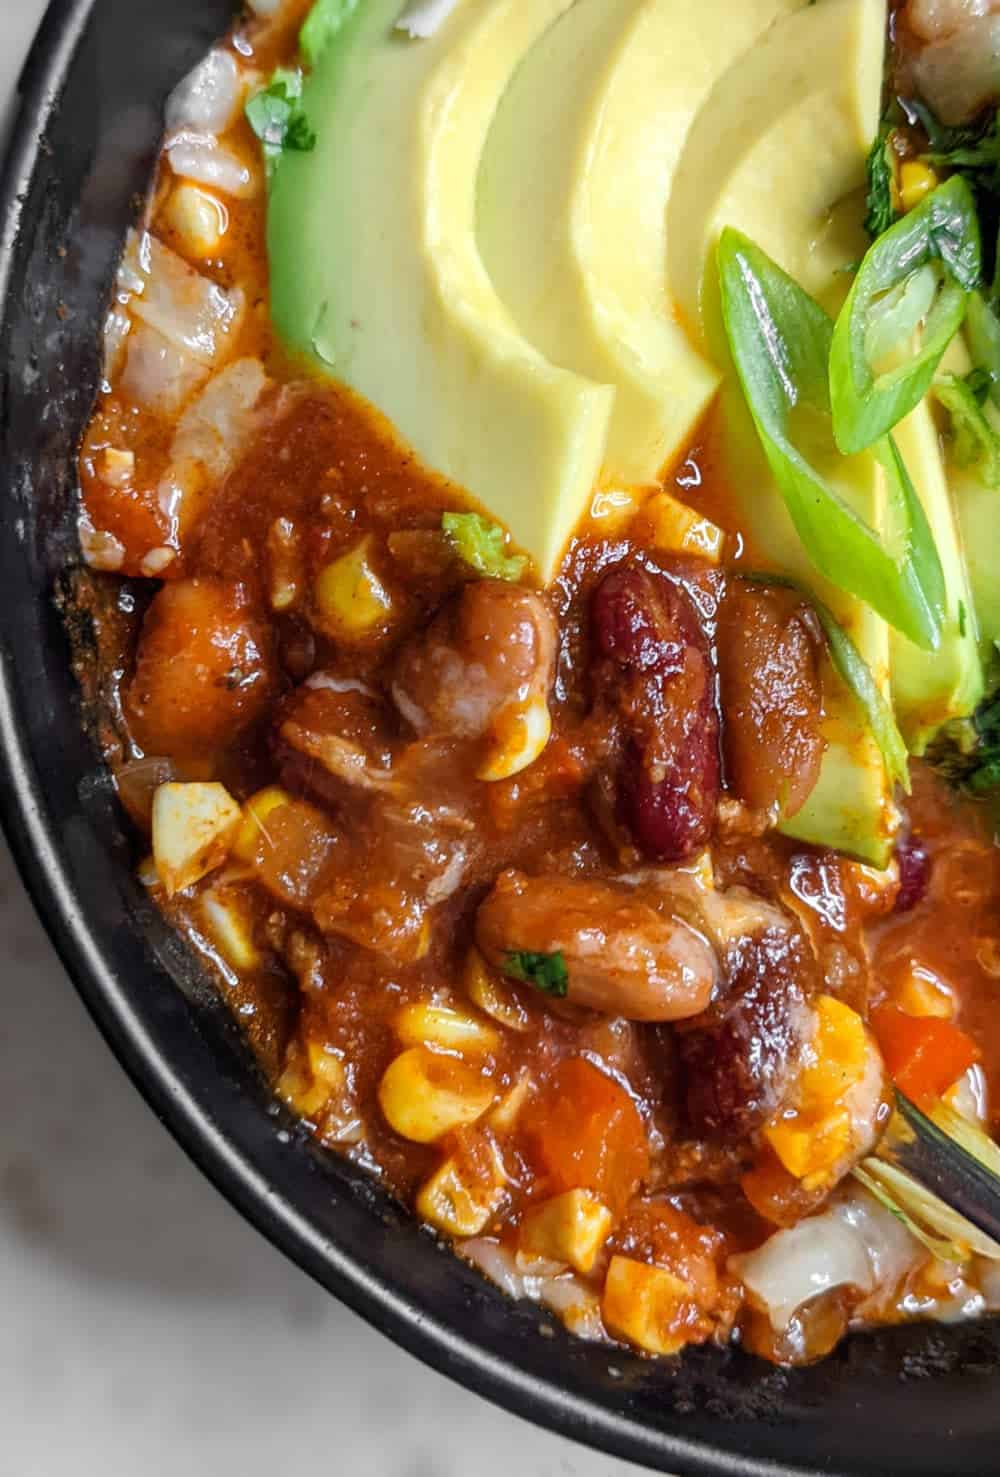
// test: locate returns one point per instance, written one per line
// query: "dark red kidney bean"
(914, 861)
(772, 698)
(737, 1060)
(654, 666)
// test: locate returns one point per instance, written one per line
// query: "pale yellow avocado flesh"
(573, 187)
(376, 275)
(774, 151)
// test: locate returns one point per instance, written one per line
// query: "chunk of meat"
(623, 958)
(583, 1132)
(739, 1060)
(204, 669)
(491, 648)
(654, 668)
(772, 698)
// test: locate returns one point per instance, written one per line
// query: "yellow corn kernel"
(923, 992)
(194, 825)
(458, 1205)
(678, 529)
(915, 181)
(569, 1228)
(505, 1115)
(645, 1305)
(493, 998)
(812, 1140)
(424, 1095)
(229, 924)
(516, 740)
(310, 1079)
(350, 597)
(254, 822)
(452, 1030)
(198, 218)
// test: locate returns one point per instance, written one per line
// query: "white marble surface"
(144, 1327)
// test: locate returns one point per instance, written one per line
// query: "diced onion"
(188, 309)
(959, 75)
(209, 97)
(422, 18)
(565, 1295)
(159, 376)
(201, 158)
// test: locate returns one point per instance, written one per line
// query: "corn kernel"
(452, 1030)
(425, 1095)
(198, 219)
(461, 1206)
(916, 180)
(350, 597)
(812, 1140)
(229, 924)
(569, 1228)
(310, 1079)
(493, 998)
(922, 992)
(678, 529)
(505, 1115)
(645, 1306)
(193, 828)
(254, 822)
(516, 740)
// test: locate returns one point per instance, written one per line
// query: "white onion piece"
(566, 1296)
(970, 1096)
(208, 441)
(820, 1253)
(182, 305)
(209, 97)
(159, 376)
(201, 158)
(959, 75)
(496, 1263)
(892, 1252)
(421, 18)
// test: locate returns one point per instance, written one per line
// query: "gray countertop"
(145, 1327)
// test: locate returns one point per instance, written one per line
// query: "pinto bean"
(738, 1061)
(772, 698)
(491, 647)
(654, 666)
(204, 669)
(622, 957)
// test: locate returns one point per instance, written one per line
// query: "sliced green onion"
(982, 332)
(780, 341)
(944, 1232)
(944, 228)
(891, 1200)
(976, 443)
(482, 545)
(896, 316)
(324, 21)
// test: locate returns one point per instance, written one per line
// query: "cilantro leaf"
(967, 753)
(882, 212)
(278, 119)
(481, 544)
(547, 972)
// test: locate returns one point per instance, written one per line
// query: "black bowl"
(915, 1400)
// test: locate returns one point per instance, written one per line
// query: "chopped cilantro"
(482, 545)
(967, 752)
(547, 972)
(973, 152)
(277, 118)
(882, 212)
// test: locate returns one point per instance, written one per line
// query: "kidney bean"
(739, 1058)
(655, 668)
(914, 862)
(772, 698)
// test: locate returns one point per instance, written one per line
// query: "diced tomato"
(924, 1054)
(584, 1133)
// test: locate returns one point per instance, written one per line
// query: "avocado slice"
(778, 150)
(377, 280)
(574, 179)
